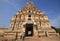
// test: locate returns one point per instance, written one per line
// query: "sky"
(8, 8)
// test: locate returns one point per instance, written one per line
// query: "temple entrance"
(29, 30)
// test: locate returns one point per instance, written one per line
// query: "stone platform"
(34, 39)
(41, 39)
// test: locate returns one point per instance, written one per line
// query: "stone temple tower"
(31, 21)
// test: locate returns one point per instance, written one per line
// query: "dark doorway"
(29, 30)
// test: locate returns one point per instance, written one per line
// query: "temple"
(32, 22)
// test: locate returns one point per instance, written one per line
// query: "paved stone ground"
(36, 39)
(41, 39)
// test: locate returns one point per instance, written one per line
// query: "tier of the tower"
(29, 8)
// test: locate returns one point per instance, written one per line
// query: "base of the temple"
(34, 39)
(42, 35)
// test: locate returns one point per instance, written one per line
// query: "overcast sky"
(10, 7)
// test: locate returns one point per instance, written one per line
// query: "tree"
(54, 28)
(57, 29)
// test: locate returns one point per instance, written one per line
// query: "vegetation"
(57, 29)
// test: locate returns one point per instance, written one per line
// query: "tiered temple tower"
(31, 21)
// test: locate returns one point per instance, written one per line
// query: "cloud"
(10, 2)
(4, 0)
(56, 22)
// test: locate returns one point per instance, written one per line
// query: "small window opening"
(29, 16)
(29, 11)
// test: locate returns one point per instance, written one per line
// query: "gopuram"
(29, 24)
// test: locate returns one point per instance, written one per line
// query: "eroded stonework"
(31, 21)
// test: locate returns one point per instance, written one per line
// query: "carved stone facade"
(31, 21)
